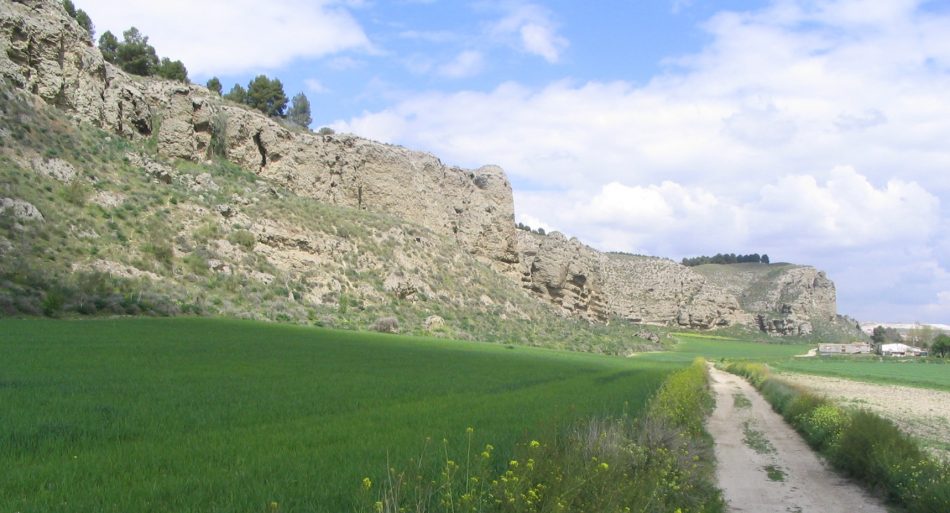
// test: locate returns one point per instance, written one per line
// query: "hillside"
(101, 225)
(111, 185)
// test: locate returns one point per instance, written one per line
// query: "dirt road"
(764, 466)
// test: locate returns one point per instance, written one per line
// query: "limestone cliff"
(47, 54)
(599, 286)
(785, 299)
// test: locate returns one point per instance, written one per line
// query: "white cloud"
(344, 63)
(466, 64)
(233, 36)
(315, 86)
(681, 5)
(541, 40)
(536, 33)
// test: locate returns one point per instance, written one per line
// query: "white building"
(902, 350)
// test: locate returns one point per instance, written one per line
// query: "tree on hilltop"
(214, 85)
(237, 94)
(109, 47)
(299, 112)
(172, 70)
(135, 55)
(267, 95)
(80, 16)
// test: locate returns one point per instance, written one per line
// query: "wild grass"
(858, 442)
(197, 415)
(656, 462)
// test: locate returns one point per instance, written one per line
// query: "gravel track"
(764, 466)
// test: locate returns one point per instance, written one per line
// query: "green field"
(192, 415)
(691, 345)
(926, 373)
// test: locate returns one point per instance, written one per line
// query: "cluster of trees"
(80, 16)
(134, 55)
(522, 226)
(726, 258)
(882, 335)
(267, 95)
(941, 346)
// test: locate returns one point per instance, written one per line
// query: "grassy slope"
(213, 415)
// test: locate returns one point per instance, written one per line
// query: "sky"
(815, 131)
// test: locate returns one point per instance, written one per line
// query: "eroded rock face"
(45, 52)
(660, 291)
(565, 273)
(597, 286)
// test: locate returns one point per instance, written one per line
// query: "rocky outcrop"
(598, 286)
(20, 210)
(45, 52)
(565, 273)
(660, 291)
(786, 299)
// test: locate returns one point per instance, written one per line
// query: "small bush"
(386, 325)
(53, 303)
(162, 251)
(243, 238)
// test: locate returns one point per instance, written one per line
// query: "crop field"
(192, 415)
(690, 345)
(925, 373)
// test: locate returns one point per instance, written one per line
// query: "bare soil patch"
(923, 413)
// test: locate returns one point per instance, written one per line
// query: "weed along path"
(764, 466)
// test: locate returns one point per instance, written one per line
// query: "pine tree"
(214, 85)
(299, 112)
(237, 94)
(267, 95)
(135, 55)
(109, 46)
(172, 70)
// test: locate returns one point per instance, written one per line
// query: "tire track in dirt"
(764, 466)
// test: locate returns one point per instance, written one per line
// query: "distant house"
(902, 350)
(852, 348)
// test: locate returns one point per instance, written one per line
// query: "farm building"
(902, 350)
(852, 348)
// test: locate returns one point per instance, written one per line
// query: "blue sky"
(812, 130)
